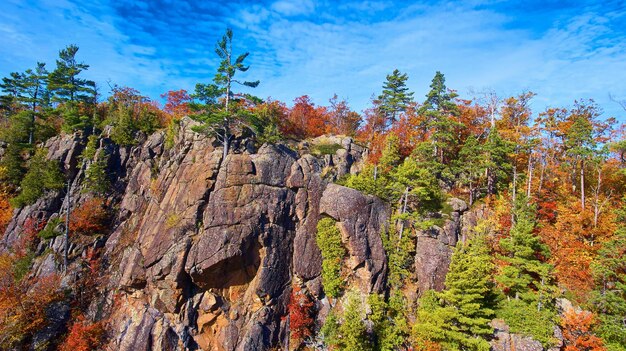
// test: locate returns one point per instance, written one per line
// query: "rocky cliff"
(201, 252)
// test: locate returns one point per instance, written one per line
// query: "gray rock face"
(434, 249)
(202, 250)
(506, 341)
(361, 219)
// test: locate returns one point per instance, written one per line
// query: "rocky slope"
(202, 252)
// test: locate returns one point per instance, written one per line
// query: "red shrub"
(89, 218)
(301, 313)
(83, 336)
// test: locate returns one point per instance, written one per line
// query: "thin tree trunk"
(543, 169)
(471, 194)
(67, 225)
(406, 195)
(596, 202)
(539, 305)
(582, 184)
(530, 176)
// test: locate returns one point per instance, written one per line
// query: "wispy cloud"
(563, 50)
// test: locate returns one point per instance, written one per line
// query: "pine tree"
(12, 87)
(458, 317)
(395, 97)
(609, 298)
(524, 275)
(496, 160)
(42, 175)
(525, 279)
(353, 331)
(221, 121)
(64, 82)
(34, 89)
(440, 112)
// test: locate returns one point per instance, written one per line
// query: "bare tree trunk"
(406, 196)
(67, 225)
(471, 193)
(582, 184)
(543, 169)
(596, 200)
(530, 176)
(491, 182)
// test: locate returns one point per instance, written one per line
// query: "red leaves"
(177, 103)
(301, 315)
(89, 218)
(578, 331)
(6, 211)
(83, 336)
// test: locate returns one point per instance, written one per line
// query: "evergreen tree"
(395, 97)
(42, 175)
(440, 112)
(329, 241)
(470, 166)
(524, 275)
(458, 317)
(526, 281)
(34, 93)
(609, 297)
(12, 87)
(496, 160)
(64, 82)
(223, 120)
(389, 321)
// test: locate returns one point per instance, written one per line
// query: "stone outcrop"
(435, 246)
(202, 250)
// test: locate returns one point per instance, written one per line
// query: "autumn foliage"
(578, 331)
(23, 301)
(177, 104)
(89, 218)
(301, 315)
(6, 211)
(83, 335)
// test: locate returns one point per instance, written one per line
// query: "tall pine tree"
(395, 97)
(64, 82)
(221, 121)
(440, 112)
(458, 317)
(609, 297)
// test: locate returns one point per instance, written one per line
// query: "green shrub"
(325, 149)
(123, 131)
(170, 133)
(96, 178)
(523, 318)
(329, 241)
(90, 149)
(21, 266)
(42, 175)
(49, 231)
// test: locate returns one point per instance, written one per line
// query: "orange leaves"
(6, 211)
(573, 241)
(305, 120)
(426, 345)
(23, 303)
(83, 336)
(89, 218)
(177, 103)
(578, 331)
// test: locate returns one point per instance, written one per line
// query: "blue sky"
(562, 50)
